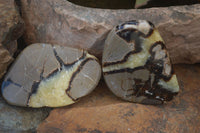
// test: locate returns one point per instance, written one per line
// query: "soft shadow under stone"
(106, 4)
(18, 119)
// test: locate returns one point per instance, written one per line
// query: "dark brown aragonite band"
(144, 74)
(45, 75)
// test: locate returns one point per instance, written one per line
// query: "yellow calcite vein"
(138, 59)
(171, 85)
(51, 92)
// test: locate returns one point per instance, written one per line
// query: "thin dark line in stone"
(151, 24)
(42, 72)
(35, 84)
(121, 61)
(133, 30)
(64, 65)
(8, 82)
(135, 22)
(72, 97)
(126, 34)
(81, 58)
(131, 22)
(58, 58)
(139, 33)
(75, 73)
(155, 44)
(34, 88)
(149, 33)
(14, 83)
(68, 64)
(148, 65)
(137, 50)
(128, 70)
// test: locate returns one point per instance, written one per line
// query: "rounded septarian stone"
(50, 75)
(136, 64)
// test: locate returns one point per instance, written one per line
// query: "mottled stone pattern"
(136, 65)
(64, 23)
(11, 24)
(12, 47)
(11, 28)
(5, 60)
(102, 112)
(50, 75)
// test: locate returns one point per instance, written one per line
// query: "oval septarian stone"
(136, 65)
(53, 76)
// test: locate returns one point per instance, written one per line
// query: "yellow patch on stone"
(153, 38)
(171, 85)
(138, 59)
(52, 92)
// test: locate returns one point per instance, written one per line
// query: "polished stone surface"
(50, 75)
(136, 65)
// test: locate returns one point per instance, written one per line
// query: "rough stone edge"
(101, 21)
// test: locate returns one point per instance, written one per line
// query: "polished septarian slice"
(136, 64)
(50, 75)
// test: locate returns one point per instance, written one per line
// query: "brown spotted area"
(136, 65)
(50, 75)
(103, 112)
